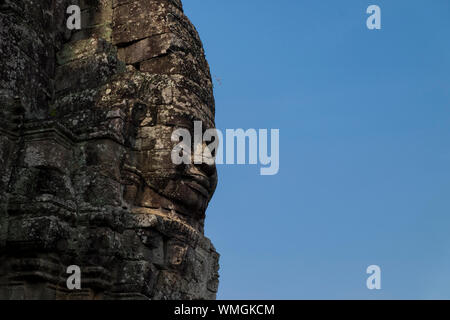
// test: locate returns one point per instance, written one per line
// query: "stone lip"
(85, 129)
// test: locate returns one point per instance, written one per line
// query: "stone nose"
(206, 169)
(202, 166)
(196, 171)
(203, 162)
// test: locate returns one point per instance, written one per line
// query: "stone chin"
(187, 193)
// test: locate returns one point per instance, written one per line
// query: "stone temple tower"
(86, 177)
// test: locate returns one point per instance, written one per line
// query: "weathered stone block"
(85, 149)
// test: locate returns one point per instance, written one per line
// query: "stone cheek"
(85, 130)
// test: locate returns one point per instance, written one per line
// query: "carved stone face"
(180, 94)
(184, 188)
(160, 84)
(85, 143)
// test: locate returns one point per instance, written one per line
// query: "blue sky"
(364, 119)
